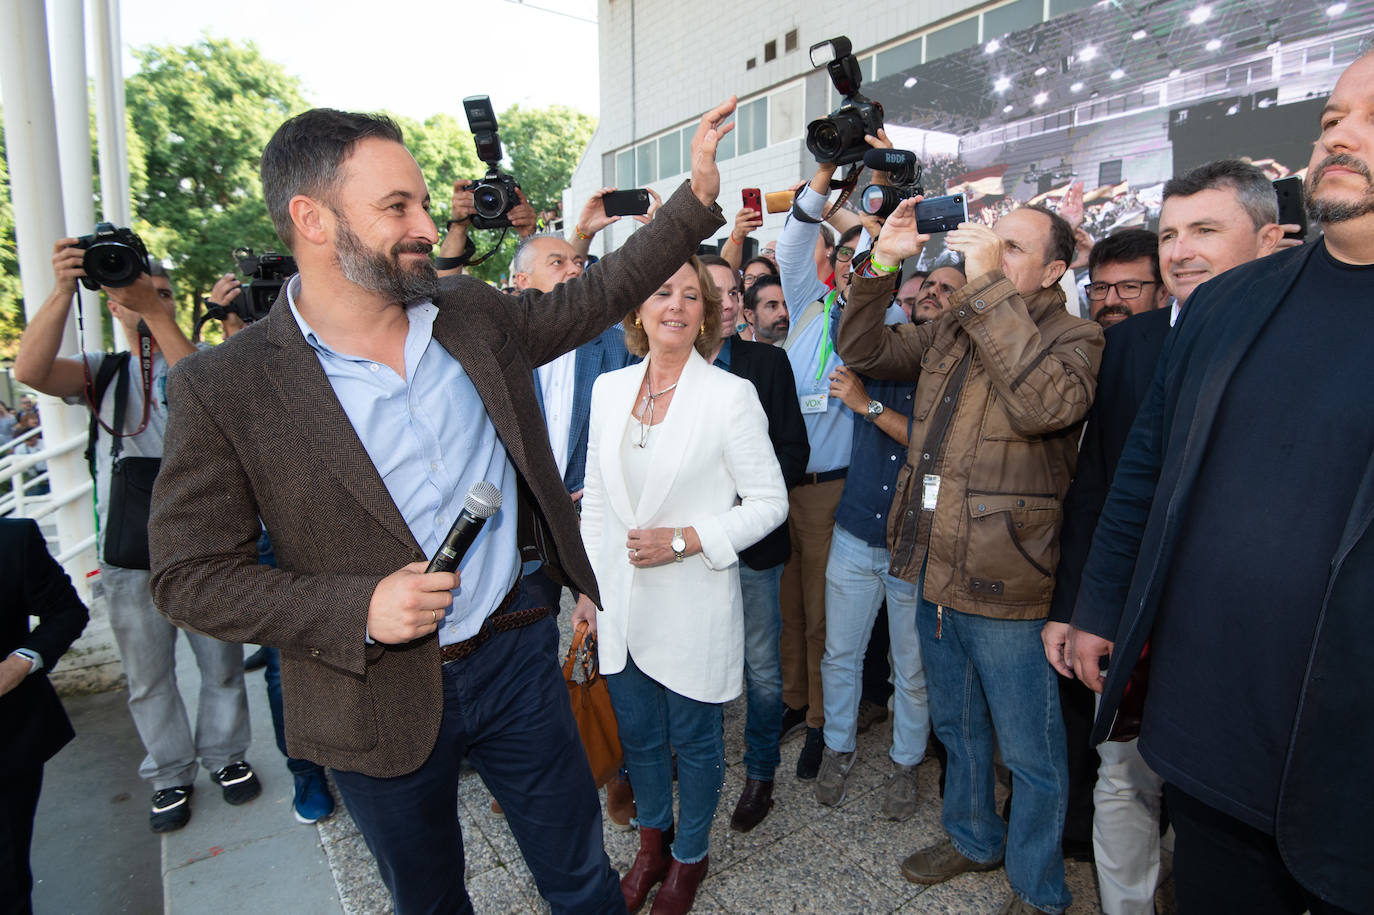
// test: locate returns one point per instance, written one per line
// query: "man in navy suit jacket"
(1236, 538)
(31, 717)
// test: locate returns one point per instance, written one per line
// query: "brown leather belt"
(501, 621)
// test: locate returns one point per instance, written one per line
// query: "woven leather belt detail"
(500, 621)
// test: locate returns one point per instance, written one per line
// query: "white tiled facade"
(688, 57)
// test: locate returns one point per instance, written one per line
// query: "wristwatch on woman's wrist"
(679, 544)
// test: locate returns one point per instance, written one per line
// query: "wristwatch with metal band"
(679, 544)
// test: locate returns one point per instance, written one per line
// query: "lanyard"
(826, 346)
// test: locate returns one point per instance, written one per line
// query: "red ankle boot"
(679, 890)
(649, 868)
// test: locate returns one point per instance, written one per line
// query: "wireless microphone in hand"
(482, 501)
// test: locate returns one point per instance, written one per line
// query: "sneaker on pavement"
(793, 720)
(830, 782)
(171, 808)
(899, 795)
(313, 802)
(809, 762)
(870, 713)
(939, 862)
(238, 782)
(1015, 905)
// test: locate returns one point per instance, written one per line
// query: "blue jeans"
(505, 707)
(856, 581)
(762, 670)
(654, 721)
(272, 674)
(987, 674)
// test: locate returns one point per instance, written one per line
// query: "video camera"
(495, 195)
(904, 170)
(267, 273)
(114, 257)
(839, 138)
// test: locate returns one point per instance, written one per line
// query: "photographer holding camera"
(147, 642)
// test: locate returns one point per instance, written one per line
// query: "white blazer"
(683, 622)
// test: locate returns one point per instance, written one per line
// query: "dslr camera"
(839, 138)
(495, 195)
(267, 273)
(904, 171)
(114, 257)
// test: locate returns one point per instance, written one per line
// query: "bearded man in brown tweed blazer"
(350, 422)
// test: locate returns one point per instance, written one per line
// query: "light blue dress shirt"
(429, 436)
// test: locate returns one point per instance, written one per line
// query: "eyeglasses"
(1126, 289)
(750, 278)
(844, 253)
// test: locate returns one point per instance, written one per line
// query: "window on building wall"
(608, 169)
(1059, 7)
(952, 38)
(786, 115)
(670, 155)
(895, 60)
(687, 133)
(789, 42)
(625, 169)
(1012, 18)
(751, 63)
(770, 51)
(725, 149)
(751, 121)
(646, 163)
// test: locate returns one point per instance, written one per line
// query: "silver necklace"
(646, 413)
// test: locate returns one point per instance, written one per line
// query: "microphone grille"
(483, 500)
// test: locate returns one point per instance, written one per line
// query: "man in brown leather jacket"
(1005, 377)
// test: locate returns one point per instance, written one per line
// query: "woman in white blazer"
(681, 476)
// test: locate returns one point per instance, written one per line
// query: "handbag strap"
(583, 642)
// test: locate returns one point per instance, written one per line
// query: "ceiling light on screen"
(1088, 53)
(1214, 44)
(910, 81)
(1138, 35)
(1076, 87)
(1007, 109)
(1335, 9)
(1041, 98)
(992, 47)
(1200, 15)
(1175, 73)
(1002, 84)
(1041, 71)
(1118, 73)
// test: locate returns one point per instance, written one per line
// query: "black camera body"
(904, 177)
(267, 273)
(839, 138)
(114, 257)
(494, 196)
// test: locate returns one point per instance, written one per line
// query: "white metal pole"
(110, 122)
(72, 107)
(36, 190)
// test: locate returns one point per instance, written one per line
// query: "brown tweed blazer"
(256, 432)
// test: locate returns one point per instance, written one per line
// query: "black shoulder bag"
(131, 478)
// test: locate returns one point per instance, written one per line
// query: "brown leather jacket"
(1003, 386)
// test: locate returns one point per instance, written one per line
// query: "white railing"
(29, 497)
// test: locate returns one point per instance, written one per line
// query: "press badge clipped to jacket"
(930, 491)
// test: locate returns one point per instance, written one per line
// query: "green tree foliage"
(11, 302)
(202, 114)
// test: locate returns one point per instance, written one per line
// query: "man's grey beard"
(1330, 211)
(384, 274)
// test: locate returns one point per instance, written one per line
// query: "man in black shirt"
(1246, 490)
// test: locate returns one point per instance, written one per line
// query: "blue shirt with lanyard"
(829, 423)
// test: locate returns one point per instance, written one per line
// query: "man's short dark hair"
(760, 259)
(304, 155)
(1126, 246)
(715, 260)
(751, 295)
(1253, 189)
(1060, 244)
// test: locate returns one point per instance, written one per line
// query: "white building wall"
(688, 57)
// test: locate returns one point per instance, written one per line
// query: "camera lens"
(823, 140)
(880, 200)
(489, 201)
(112, 264)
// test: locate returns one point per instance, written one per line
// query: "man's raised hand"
(899, 238)
(705, 173)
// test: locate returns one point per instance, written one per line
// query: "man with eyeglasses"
(1124, 273)
(1218, 216)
